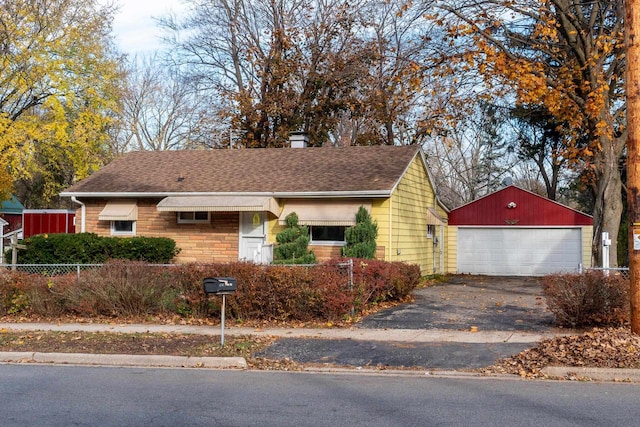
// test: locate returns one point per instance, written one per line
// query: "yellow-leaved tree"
(60, 79)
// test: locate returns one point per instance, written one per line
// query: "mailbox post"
(220, 286)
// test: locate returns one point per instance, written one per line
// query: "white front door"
(252, 236)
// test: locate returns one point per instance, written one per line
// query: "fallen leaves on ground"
(598, 348)
(133, 343)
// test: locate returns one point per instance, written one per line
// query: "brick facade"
(217, 241)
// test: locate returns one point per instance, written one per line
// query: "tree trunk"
(608, 204)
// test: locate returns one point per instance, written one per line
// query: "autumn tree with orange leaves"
(565, 55)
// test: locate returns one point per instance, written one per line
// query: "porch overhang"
(219, 204)
(433, 218)
(321, 212)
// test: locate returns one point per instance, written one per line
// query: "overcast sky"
(135, 29)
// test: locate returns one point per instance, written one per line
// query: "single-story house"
(514, 232)
(229, 204)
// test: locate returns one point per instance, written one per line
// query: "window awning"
(433, 218)
(119, 211)
(320, 212)
(219, 204)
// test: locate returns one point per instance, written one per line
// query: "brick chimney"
(298, 139)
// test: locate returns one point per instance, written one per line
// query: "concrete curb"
(125, 360)
(596, 374)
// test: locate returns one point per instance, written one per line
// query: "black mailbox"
(219, 285)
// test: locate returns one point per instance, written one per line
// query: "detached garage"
(514, 232)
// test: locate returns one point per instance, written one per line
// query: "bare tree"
(470, 160)
(162, 112)
(343, 71)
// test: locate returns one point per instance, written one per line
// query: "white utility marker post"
(606, 243)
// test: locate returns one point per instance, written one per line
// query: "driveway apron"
(462, 303)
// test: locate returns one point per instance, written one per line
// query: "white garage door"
(519, 251)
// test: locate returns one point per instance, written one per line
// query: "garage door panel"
(518, 251)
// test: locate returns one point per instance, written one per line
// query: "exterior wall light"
(512, 205)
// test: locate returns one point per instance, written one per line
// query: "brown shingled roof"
(267, 170)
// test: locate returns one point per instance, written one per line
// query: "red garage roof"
(513, 206)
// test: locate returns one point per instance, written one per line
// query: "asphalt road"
(55, 396)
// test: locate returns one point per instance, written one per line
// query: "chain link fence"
(49, 269)
(56, 269)
(611, 271)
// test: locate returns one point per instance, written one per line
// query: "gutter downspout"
(82, 213)
(390, 229)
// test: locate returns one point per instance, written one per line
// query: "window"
(323, 234)
(123, 228)
(431, 229)
(193, 217)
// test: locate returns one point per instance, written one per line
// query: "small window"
(327, 234)
(431, 229)
(123, 228)
(193, 217)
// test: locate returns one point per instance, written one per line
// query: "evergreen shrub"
(361, 238)
(293, 243)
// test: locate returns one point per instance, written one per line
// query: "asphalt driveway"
(462, 303)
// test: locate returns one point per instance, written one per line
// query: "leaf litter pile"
(598, 348)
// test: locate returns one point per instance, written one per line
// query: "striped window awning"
(219, 204)
(320, 212)
(119, 211)
(433, 218)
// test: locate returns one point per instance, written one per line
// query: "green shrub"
(293, 243)
(587, 299)
(361, 238)
(89, 248)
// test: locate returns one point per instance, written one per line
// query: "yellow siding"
(380, 214)
(402, 225)
(452, 250)
(402, 222)
(587, 238)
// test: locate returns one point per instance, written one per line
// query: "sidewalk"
(448, 341)
(353, 343)
(361, 334)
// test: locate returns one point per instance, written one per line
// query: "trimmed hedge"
(122, 289)
(89, 248)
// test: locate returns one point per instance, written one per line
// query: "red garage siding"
(517, 207)
(38, 221)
